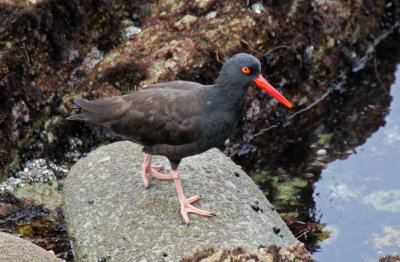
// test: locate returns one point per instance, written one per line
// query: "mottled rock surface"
(109, 213)
(13, 248)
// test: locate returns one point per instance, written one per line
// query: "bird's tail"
(99, 112)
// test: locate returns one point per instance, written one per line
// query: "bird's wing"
(163, 116)
(169, 113)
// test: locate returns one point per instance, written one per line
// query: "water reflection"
(359, 198)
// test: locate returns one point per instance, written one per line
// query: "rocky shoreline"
(312, 51)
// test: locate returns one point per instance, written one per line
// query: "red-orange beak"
(262, 83)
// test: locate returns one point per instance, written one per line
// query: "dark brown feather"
(169, 113)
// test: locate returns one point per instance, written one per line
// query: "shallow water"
(359, 198)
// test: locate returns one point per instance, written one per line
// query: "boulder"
(13, 248)
(110, 214)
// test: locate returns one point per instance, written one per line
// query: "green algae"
(48, 194)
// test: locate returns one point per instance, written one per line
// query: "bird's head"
(244, 69)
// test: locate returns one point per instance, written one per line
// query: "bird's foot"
(186, 208)
(147, 168)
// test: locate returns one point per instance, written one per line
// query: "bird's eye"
(245, 70)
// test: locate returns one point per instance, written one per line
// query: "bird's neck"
(232, 96)
(232, 90)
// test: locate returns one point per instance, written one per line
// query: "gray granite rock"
(109, 213)
(16, 249)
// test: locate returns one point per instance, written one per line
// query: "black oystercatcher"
(179, 119)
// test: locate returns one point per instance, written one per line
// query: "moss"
(14, 163)
(309, 233)
(390, 258)
(296, 253)
(323, 140)
(283, 190)
(288, 190)
(47, 195)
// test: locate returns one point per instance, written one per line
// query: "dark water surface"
(359, 198)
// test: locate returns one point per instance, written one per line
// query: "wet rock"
(211, 15)
(321, 152)
(330, 44)
(203, 3)
(35, 171)
(38, 171)
(129, 222)
(186, 23)
(257, 8)
(34, 222)
(13, 248)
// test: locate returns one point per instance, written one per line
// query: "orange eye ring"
(245, 70)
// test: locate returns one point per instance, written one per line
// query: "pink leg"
(147, 168)
(186, 207)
